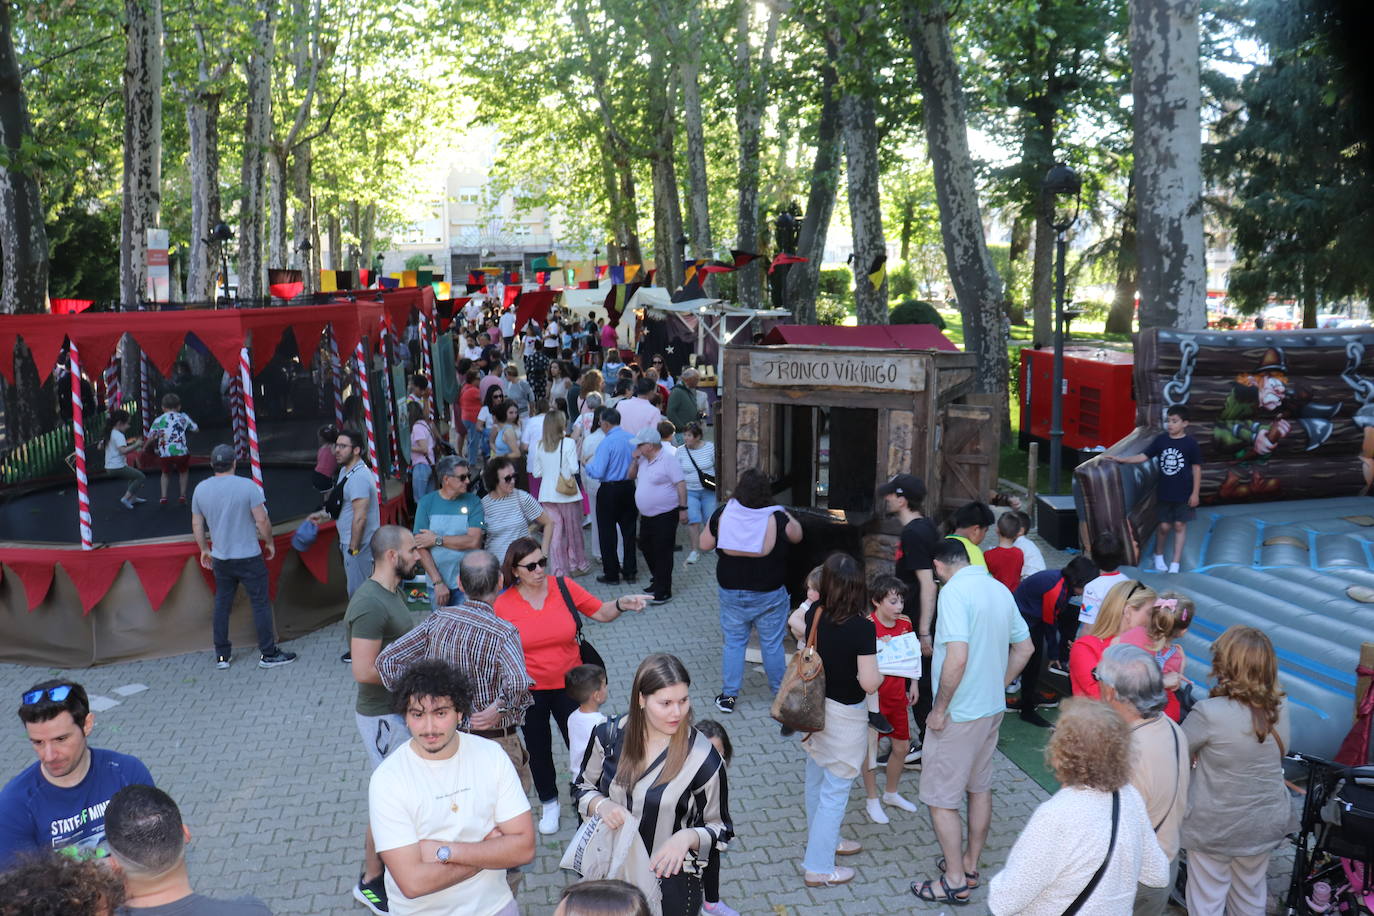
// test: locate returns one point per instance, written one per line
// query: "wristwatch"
(354, 553)
(443, 854)
(438, 540)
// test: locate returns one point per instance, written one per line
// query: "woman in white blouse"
(1069, 837)
(553, 457)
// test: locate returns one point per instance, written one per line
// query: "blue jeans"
(252, 572)
(826, 798)
(477, 446)
(421, 480)
(764, 611)
(700, 504)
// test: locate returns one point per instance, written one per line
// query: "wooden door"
(968, 452)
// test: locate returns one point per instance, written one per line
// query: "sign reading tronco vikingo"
(837, 370)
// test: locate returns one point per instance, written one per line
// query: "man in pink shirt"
(661, 498)
(638, 413)
(608, 338)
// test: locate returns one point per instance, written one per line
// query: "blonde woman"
(555, 456)
(654, 764)
(1126, 606)
(1069, 836)
(1238, 807)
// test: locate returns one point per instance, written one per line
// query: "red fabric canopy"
(159, 566)
(865, 336)
(223, 331)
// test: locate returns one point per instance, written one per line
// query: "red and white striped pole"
(251, 417)
(388, 357)
(364, 391)
(83, 486)
(236, 412)
(336, 370)
(427, 360)
(110, 378)
(146, 394)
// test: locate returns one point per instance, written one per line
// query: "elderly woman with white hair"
(1133, 686)
(661, 498)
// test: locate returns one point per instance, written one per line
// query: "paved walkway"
(270, 775)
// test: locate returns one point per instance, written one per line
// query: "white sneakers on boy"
(876, 814)
(548, 820)
(1160, 565)
(896, 800)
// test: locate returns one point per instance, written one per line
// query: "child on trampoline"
(117, 448)
(173, 453)
(1180, 481)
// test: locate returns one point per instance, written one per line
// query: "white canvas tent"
(723, 321)
(584, 302)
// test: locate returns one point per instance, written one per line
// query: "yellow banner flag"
(410, 278)
(442, 290)
(631, 271)
(327, 284)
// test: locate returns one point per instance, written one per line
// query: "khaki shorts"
(957, 760)
(514, 747)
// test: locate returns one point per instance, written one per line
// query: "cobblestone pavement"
(271, 778)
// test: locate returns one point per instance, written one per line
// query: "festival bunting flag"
(785, 258)
(70, 306)
(600, 271)
(285, 284)
(553, 261)
(690, 290)
(491, 271)
(327, 284)
(743, 257)
(631, 271)
(690, 268)
(442, 290)
(570, 277)
(617, 298)
(388, 282)
(649, 277)
(717, 268)
(878, 272)
(539, 264)
(541, 277)
(618, 274)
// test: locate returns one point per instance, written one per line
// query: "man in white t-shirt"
(447, 811)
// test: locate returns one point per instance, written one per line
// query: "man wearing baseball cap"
(239, 533)
(904, 496)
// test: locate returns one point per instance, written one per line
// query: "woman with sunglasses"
(548, 635)
(1127, 605)
(509, 511)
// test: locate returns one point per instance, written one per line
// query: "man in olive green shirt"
(376, 617)
(682, 402)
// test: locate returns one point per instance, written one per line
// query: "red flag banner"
(70, 306)
(717, 268)
(785, 258)
(743, 257)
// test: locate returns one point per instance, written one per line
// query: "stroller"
(1333, 860)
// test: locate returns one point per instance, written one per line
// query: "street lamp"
(223, 234)
(596, 261)
(785, 235)
(1059, 196)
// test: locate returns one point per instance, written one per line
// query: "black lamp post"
(223, 234)
(1060, 196)
(785, 235)
(596, 262)
(682, 246)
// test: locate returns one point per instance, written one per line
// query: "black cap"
(908, 485)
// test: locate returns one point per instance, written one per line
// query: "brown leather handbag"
(800, 703)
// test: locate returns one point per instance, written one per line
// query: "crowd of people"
(549, 472)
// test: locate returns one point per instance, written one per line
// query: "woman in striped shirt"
(654, 765)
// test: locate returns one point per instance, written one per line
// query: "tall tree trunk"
(858, 124)
(23, 239)
(1168, 163)
(202, 123)
(303, 224)
(803, 280)
(257, 138)
(142, 183)
(1016, 253)
(1309, 300)
(627, 223)
(277, 256)
(976, 283)
(688, 54)
(335, 242)
(751, 92)
(368, 234)
(1042, 281)
(355, 227)
(1122, 313)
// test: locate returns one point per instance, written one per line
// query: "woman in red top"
(1127, 605)
(548, 635)
(469, 406)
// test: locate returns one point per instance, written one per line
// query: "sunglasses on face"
(54, 694)
(461, 476)
(507, 478)
(531, 566)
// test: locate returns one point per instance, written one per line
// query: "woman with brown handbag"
(848, 647)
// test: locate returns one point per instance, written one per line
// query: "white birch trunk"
(303, 223)
(1168, 163)
(976, 283)
(1042, 280)
(142, 182)
(23, 239)
(277, 255)
(751, 92)
(257, 138)
(860, 131)
(202, 123)
(335, 242)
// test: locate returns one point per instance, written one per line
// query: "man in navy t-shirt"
(59, 802)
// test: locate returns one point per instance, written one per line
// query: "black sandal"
(926, 891)
(970, 877)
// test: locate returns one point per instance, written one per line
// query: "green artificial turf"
(1024, 745)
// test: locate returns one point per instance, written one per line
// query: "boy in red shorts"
(174, 455)
(896, 695)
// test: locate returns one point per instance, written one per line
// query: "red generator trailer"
(1099, 398)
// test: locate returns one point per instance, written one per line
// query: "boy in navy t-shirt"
(1180, 480)
(58, 804)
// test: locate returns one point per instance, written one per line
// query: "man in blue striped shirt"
(615, 500)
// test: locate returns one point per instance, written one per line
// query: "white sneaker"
(896, 800)
(139, 499)
(1014, 686)
(1160, 565)
(548, 821)
(693, 557)
(125, 502)
(1173, 567)
(876, 814)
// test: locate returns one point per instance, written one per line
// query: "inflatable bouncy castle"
(1284, 536)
